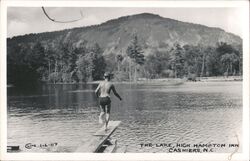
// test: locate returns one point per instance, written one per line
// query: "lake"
(65, 116)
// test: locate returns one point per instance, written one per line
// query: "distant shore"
(221, 78)
(171, 81)
(180, 80)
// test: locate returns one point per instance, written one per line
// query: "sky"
(25, 20)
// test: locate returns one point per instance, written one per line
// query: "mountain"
(170, 48)
(152, 30)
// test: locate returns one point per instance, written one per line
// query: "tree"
(235, 63)
(223, 48)
(226, 60)
(238, 51)
(177, 60)
(35, 61)
(19, 70)
(135, 53)
(119, 59)
(99, 64)
(85, 67)
(230, 58)
(79, 49)
(210, 61)
(157, 64)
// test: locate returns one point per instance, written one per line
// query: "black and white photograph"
(126, 79)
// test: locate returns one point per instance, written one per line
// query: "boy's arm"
(115, 93)
(97, 90)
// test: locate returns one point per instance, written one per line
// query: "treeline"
(54, 62)
(60, 61)
(195, 61)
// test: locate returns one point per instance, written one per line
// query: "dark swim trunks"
(104, 101)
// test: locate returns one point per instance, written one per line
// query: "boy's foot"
(105, 128)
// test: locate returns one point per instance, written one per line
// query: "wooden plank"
(96, 142)
(13, 148)
(111, 128)
(111, 148)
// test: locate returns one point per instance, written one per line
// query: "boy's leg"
(101, 115)
(107, 112)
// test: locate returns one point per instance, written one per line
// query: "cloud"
(91, 20)
(23, 20)
(17, 28)
(235, 22)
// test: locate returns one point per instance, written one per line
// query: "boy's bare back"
(105, 89)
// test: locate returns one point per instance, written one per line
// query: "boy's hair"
(107, 75)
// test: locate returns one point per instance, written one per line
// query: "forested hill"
(150, 28)
(63, 56)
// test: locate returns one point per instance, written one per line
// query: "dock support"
(99, 138)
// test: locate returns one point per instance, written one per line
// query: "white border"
(244, 156)
(124, 3)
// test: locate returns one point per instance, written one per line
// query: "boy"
(105, 88)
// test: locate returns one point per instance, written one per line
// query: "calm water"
(68, 115)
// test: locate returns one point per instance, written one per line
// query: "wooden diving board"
(112, 125)
(99, 138)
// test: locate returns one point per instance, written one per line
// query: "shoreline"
(170, 80)
(221, 79)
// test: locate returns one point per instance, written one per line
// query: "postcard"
(124, 80)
